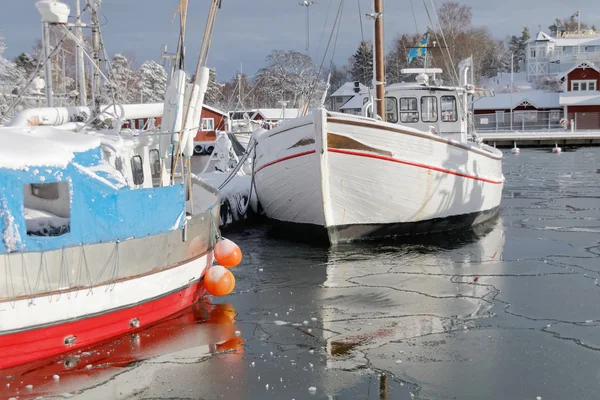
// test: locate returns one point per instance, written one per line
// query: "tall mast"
(379, 60)
(80, 61)
(95, 54)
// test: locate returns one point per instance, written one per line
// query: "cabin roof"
(277, 113)
(21, 148)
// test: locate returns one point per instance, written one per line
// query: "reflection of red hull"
(27, 346)
(202, 325)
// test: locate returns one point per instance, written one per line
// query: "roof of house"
(347, 89)
(584, 64)
(355, 103)
(278, 113)
(565, 42)
(215, 110)
(504, 101)
(579, 99)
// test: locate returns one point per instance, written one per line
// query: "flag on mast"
(575, 15)
(418, 50)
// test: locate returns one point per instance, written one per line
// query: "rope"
(239, 165)
(414, 16)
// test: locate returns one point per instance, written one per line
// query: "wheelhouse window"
(583, 86)
(391, 109)
(409, 111)
(137, 170)
(448, 105)
(429, 111)
(47, 209)
(155, 163)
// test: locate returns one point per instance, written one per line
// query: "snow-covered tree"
(339, 76)
(517, 45)
(152, 82)
(360, 65)
(10, 78)
(289, 76)
(123, 86)
(214, 95)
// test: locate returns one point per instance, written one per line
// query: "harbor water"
(508, 310)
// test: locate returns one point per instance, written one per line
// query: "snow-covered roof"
(355, 103)
(347, 89)
(278, 113)
(21, 148)
(504, 101)
(584, 64)
(215, 110)
(570, 41)
(580, 99)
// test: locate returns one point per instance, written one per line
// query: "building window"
(339, 99)
(541, 52)
(391, 109)
(137, 170)
(583, 86)
(208, 124)
(532, 53)
(429, 109)
(448, 105)
(409, 111)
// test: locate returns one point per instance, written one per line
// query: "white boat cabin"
(441, 110)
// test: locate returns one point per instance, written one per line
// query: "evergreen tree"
(518, 46)
(361, 64)
(152, 82)
(214, 95)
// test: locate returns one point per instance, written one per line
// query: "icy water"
(510, 310)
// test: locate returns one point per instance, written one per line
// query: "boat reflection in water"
(379, 297)
(190, 336)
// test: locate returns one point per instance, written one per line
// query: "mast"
(379, 60)
(80, 61)
(47, 52)
(95, 55)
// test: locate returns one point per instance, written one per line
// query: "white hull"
(359, 178)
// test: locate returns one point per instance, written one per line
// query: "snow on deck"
(21, 148)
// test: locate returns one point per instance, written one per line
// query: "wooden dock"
(541, 138)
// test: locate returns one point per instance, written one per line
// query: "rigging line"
(452, 66)
(362, 32)
(324, 26)
(335, 22)
(414, 16)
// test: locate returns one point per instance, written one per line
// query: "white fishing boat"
(408, 169)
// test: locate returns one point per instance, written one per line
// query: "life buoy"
(564, 122)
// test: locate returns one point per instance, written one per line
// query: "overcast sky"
(247, 30)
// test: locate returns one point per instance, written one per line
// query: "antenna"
(307, 4)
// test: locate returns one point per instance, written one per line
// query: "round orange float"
(227, 253)
(219, 281)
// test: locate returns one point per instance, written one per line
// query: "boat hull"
(358, 178)
(62, 300)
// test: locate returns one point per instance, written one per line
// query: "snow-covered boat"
(92, 246)
(354, 177)
(104, 232)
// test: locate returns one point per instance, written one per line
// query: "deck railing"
(520, 121)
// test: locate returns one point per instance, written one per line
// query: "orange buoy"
(227, 253)
(219, 281)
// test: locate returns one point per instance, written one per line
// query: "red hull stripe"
(286, 158)
(27, 346)
(424, 166)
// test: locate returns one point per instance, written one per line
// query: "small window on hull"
(449, 113)
(429, 109)
(47, 209)
(391, 109)
(137, 170)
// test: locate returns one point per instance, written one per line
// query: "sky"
(247, 31)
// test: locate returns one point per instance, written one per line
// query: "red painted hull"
(27, 346)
